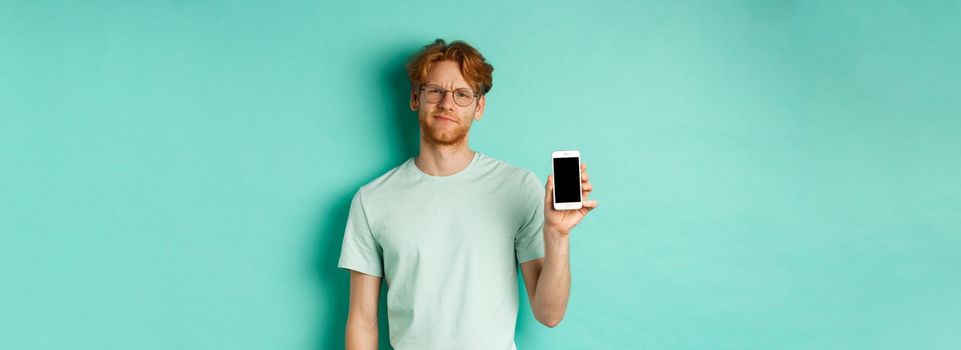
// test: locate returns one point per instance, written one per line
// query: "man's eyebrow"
(441, 85)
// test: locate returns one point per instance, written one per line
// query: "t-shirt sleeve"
(360, 251)
(529, 240)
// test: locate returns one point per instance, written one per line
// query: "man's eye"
(462, 94)
(433, 91)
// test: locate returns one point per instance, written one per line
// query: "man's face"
(445, 122)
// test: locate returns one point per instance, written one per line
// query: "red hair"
(476, 70)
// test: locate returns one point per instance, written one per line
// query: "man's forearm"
(360, 337)
(554, 283)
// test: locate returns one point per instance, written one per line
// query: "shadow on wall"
(394, 87)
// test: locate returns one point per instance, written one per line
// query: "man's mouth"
(445, 118)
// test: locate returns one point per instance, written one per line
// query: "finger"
(584, 176)
(587, 187)
(588, 206)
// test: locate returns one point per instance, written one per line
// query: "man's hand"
(562, 221)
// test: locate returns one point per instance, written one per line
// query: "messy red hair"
(477, 72)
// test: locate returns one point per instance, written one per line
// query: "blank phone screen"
(567, 180)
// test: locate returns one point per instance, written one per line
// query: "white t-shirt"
(449, 247)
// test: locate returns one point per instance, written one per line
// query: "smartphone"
(567, 179)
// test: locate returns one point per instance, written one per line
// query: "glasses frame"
(476, 95)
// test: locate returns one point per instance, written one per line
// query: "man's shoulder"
(506, 170)
(384, 181)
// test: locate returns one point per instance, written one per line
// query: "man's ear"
(413, 99)
(481, 102)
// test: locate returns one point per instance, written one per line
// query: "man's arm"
(548, 280)
(362, 315)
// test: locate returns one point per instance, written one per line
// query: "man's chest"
(480, 220)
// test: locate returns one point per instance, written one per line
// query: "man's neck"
(436, 160)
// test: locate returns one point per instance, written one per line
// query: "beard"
(440, 133)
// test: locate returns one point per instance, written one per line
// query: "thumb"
(549, 189)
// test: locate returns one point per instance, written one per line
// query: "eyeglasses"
(462, 97)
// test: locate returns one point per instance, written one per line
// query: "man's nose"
(446, 102)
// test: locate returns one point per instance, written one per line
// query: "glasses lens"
(463, 97)
(433, 94)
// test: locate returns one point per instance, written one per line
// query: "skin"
(444, 150)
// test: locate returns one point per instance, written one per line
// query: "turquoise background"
(771, 174)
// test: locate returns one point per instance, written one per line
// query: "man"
(448, 227)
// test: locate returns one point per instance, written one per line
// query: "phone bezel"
(580, 193)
